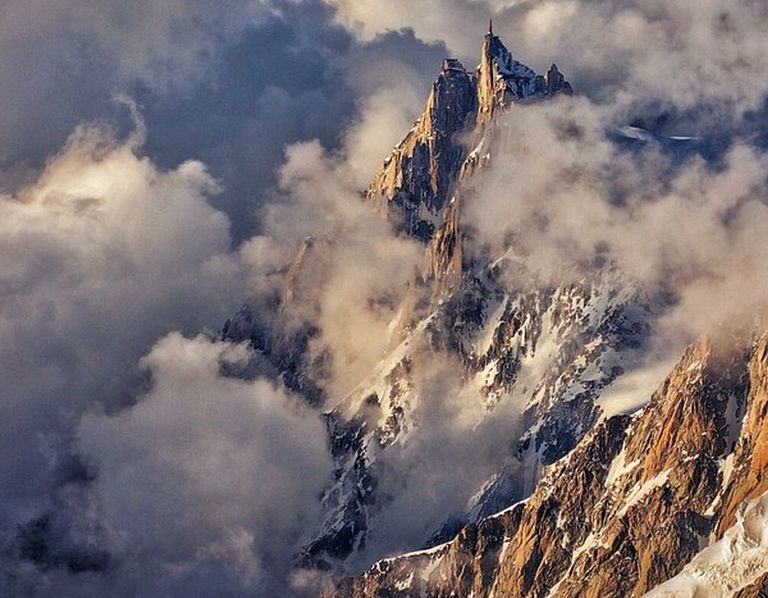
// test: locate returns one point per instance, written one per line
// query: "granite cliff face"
(415, 181)
(503, 81)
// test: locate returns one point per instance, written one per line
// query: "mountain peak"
(502, 80)
(416, 182)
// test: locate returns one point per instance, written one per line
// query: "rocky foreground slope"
(630, 506)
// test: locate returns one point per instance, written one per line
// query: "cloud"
(200, 481)
(100, 256)
(110, 245)
(356, 271)
(163, 43)
(460, 23)
(573, 197)
(62, 62)
(206, 471)
(677, 54)
(229, 88)
(292, 79)
(113, 242)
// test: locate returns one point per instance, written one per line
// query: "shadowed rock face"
(627, 509)
(443, 257)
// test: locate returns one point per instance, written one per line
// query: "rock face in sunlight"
(629, 507)
(502, 81)
(415, 181)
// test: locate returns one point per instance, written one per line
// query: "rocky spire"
(555, 82)
(418, 175)
(491, 87)
(502, 80)
(417, 180)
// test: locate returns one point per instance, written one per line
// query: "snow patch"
(639, 493)
(619, 467)
(732, 563)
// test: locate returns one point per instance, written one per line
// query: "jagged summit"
(502, 80)
(416, 182)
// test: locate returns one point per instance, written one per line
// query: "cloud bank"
(156, 476)
(106, 252)
(206, 473)
(678, 55)
(101, 255)
(230, 88)
(573, 197)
